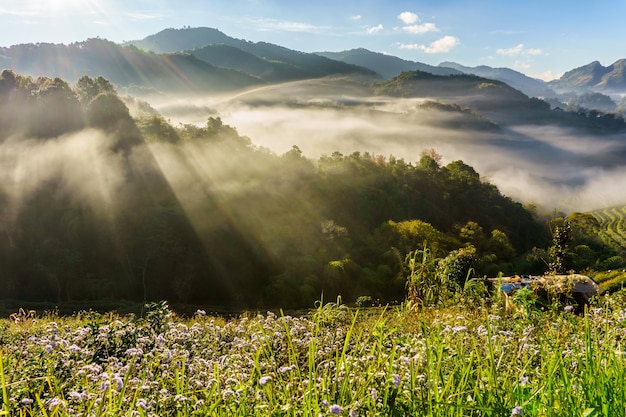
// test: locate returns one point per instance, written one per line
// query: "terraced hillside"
(612, 226)
(613, 232)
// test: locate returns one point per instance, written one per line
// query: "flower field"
(398, 361)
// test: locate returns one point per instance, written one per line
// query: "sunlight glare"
(56, 8)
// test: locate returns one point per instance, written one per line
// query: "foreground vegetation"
(465, 360)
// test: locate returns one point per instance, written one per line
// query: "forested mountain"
(123, 66)
(594, 77)
(278, 61)
(495, 100)
(231, 57)
(386, 65)
(96, 204)
(532, 87)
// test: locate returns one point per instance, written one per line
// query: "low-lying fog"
(553, 167)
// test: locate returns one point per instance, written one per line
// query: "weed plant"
(464, 360)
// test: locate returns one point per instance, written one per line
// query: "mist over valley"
(553, 164)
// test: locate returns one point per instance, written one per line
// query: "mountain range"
(205, 59)
(594, 77)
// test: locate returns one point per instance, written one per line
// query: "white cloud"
(356, 17)
(439, 46)
(264, 24)
(511, 51)
(533, 51)
(421, 29)
(374, 29)
(521, 65)
(519, 50)
(546, 75)
(408, 18)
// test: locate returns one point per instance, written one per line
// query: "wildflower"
(396, 380)
(264, 380)
(104, 385)
(374, 394)
(142, 403)
(517, 411)
(76, 396)
(457, 329)
(524, 380)
(200, 313)
(74, 348)
(285, 369)
(335, 409)
(54, 403)
(119, 382)
(353, 413)
(27, 401)
(180, 398)
(324, 404)
(227, 393)
(134, 352)
(568, 309)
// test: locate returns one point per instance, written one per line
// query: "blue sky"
(539, 38)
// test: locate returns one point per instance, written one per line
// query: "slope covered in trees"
(248, 56)
(96, 204)
(496, 100)
(124, 66)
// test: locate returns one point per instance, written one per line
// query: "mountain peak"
(176, 40)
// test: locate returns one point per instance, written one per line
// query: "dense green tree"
(88, 88)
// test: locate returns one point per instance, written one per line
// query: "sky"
(542, 39)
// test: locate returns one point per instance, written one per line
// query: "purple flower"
(142, 403)
(517, 411)
(265, 379)
(53, 403)
(119, 382)
(396, 380)
(457, 329)
(134, 352)
(374, 394)
(336, 409)
(569, 309)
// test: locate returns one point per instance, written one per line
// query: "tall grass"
(455, 361)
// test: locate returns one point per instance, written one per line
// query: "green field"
(464, 360)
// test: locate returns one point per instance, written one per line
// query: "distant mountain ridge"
(532, 87)
(205, 59)
(595, 77)
(279, 61)
(388, 66)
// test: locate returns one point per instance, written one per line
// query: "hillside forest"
(96, 203)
